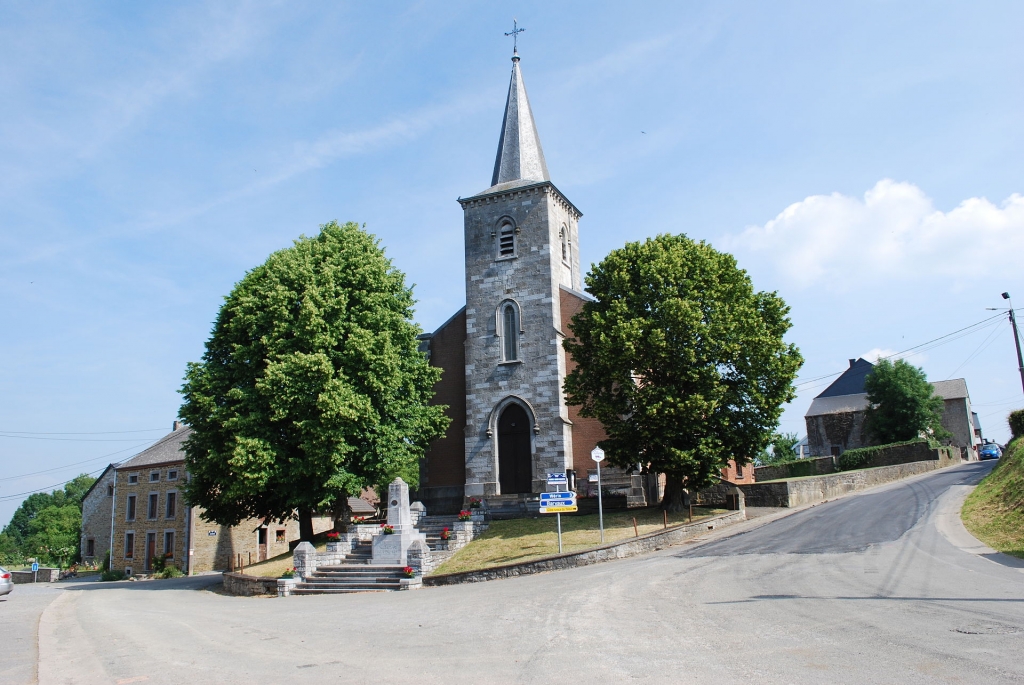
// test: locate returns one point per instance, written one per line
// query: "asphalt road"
(882, 587)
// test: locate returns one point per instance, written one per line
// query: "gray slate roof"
(166, 449)
(851, 382)
(839, 404)
(951, 390)
(520, 157)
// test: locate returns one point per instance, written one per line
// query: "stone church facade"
(502, 353)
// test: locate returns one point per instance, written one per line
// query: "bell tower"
(521, 238)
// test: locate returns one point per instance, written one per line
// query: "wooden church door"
(514, 455)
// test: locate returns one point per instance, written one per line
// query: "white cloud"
(873, 355)
(894, 232)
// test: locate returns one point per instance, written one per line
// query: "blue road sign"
(35, 566)
(557, 502)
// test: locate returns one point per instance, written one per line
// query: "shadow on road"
(189, 583)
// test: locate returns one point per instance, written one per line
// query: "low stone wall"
(815, 466)
(795, 493)
(619, 550)
(43, 575)
(249, 586)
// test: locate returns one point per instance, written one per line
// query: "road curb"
(643, 544)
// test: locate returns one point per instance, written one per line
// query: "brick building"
(150, 518)
(502, 353)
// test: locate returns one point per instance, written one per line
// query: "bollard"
(691, 513)
(665, 514)
(636, 532)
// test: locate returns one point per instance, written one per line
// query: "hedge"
(1016, 421)
(862, 456)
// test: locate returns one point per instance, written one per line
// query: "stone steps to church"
(335, 591)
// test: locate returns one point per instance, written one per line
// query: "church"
(501, 355)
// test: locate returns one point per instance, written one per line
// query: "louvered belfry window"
(507, 241)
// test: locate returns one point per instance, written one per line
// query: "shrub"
(863, 456)
(290, 573)
(170, 571)
(112, 574)
(1016, 421)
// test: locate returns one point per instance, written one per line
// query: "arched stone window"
(563, 236)
(508, 328)
(507, 235)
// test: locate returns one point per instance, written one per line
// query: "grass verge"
(518, 540)
(994, 511)
(275, 566)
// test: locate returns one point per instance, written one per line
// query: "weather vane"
(515, 36)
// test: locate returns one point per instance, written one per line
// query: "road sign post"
(35, 571)
(597, 454)
(558, 501)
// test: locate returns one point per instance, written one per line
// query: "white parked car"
(6, 584)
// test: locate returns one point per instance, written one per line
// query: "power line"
(915, 347)
(144, 430)
(67, 466)
(6, 498)
(981, 348)
(33, 437)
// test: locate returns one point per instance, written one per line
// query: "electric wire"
(5, 498)
(144, 430)
(978, 350)
(67, 466)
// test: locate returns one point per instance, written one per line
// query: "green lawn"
(507, 542)
(275, 566)
(994, 511)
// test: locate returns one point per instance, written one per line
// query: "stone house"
(502, 353)
(96, 511)
(835, 419)
(152, 518)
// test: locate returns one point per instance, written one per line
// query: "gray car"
(6, 584)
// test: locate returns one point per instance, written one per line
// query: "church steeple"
(520, 157)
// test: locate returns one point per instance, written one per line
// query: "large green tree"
(13, 539)
(681, 359)
(54, 535)
(903, 404)
(311, 387)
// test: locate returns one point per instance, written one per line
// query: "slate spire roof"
(520, 157)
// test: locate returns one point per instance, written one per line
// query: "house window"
(154, 477)
(129, 545)
(90, 548)
(151, 511)
(509, 333)
(133, 479)
(110, 491)
(172, 504)
(169, 544)
(279, 536)
(506, 240)
(172, 475)
(130, 514)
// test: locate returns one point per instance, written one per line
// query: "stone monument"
(393, 548)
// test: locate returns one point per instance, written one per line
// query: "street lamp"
(1016, 339)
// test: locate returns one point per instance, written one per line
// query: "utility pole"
(1017, 338)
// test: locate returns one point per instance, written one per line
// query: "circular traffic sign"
(597, 454)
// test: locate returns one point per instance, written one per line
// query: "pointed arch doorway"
(515, 457)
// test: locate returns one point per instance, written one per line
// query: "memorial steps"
(356, 574)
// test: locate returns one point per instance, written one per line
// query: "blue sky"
(863, 159)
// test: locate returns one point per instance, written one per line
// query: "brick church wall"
(445, 461)
(586, 432)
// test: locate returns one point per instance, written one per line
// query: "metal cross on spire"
(515, 36)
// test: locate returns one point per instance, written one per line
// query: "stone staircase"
(354, 574)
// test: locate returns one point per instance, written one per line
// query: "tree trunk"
(342, 514)
(676, 499)
(305, 525)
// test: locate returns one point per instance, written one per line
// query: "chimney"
(176, 425)
(852, 362)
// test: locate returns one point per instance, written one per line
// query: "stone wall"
(43, 575)
(817, 466)
(219, 548)
(843, 429)
(96, 510)
(890, 455)
(249, 586)
(620, 550)
(795, 493)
